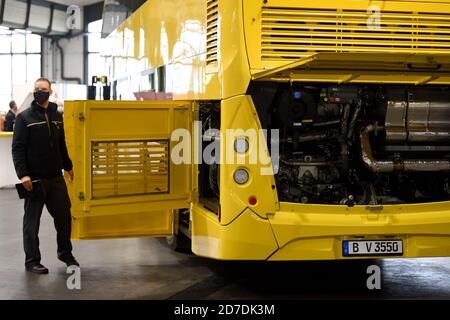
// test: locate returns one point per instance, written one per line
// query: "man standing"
(40, 153)
(10, 117)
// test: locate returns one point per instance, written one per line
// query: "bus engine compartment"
(358, 144)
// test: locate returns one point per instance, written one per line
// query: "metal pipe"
(307, 138)
(326, 123)
(2, 11)
(379, 166)
(366, 151)
(426, 165)
(308, 163)
(27, 19)
(52, 14)
(63, 77)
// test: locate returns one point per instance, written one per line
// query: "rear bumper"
(316, 232)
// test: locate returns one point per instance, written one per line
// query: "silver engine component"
(395, 165)
(418, 122)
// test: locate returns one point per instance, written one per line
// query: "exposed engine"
(361, 144)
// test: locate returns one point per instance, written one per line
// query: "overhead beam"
(46, 4)
(92, 13)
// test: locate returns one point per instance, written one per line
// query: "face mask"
(41, 96)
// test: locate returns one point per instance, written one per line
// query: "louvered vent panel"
(129, 168)
(212, 25)
(289, 34)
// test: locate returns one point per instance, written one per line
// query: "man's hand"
(70, 173)
(26, 181)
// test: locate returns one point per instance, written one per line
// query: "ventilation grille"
(212, 25)
(129, 168)
(293, 33)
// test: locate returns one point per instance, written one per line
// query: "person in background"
(40, 153)
(10, 117)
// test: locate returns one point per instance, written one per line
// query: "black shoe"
(37, 268)
(70, 262)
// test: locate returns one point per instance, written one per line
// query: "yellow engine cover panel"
(126, 183)
(281, 32)
(351, 67)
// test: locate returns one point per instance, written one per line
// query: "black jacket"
(39, 147)
(9, 121)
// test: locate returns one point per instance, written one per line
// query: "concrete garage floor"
(148, 269)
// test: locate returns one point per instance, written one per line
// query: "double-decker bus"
(345, 105)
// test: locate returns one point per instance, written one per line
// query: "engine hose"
(344, 124)
(344, 155)
(354, 118)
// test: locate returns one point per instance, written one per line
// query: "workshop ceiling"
(43, 17)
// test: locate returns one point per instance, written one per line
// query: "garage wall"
(73, 59)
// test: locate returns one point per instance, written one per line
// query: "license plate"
(372, 248)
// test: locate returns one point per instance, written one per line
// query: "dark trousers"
(55, 197)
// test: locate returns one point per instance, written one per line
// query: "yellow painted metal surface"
(413, 68)
(234, 65)
(128, 186)
(201, 43)
(282, 31)
(249, 237)
(239, 112)
(163, 33)
(316, 232)
(145, 222)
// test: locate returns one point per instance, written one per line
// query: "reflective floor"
(148, 269)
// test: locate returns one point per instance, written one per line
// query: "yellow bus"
(350, 103)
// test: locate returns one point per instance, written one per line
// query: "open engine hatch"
(350, 67)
